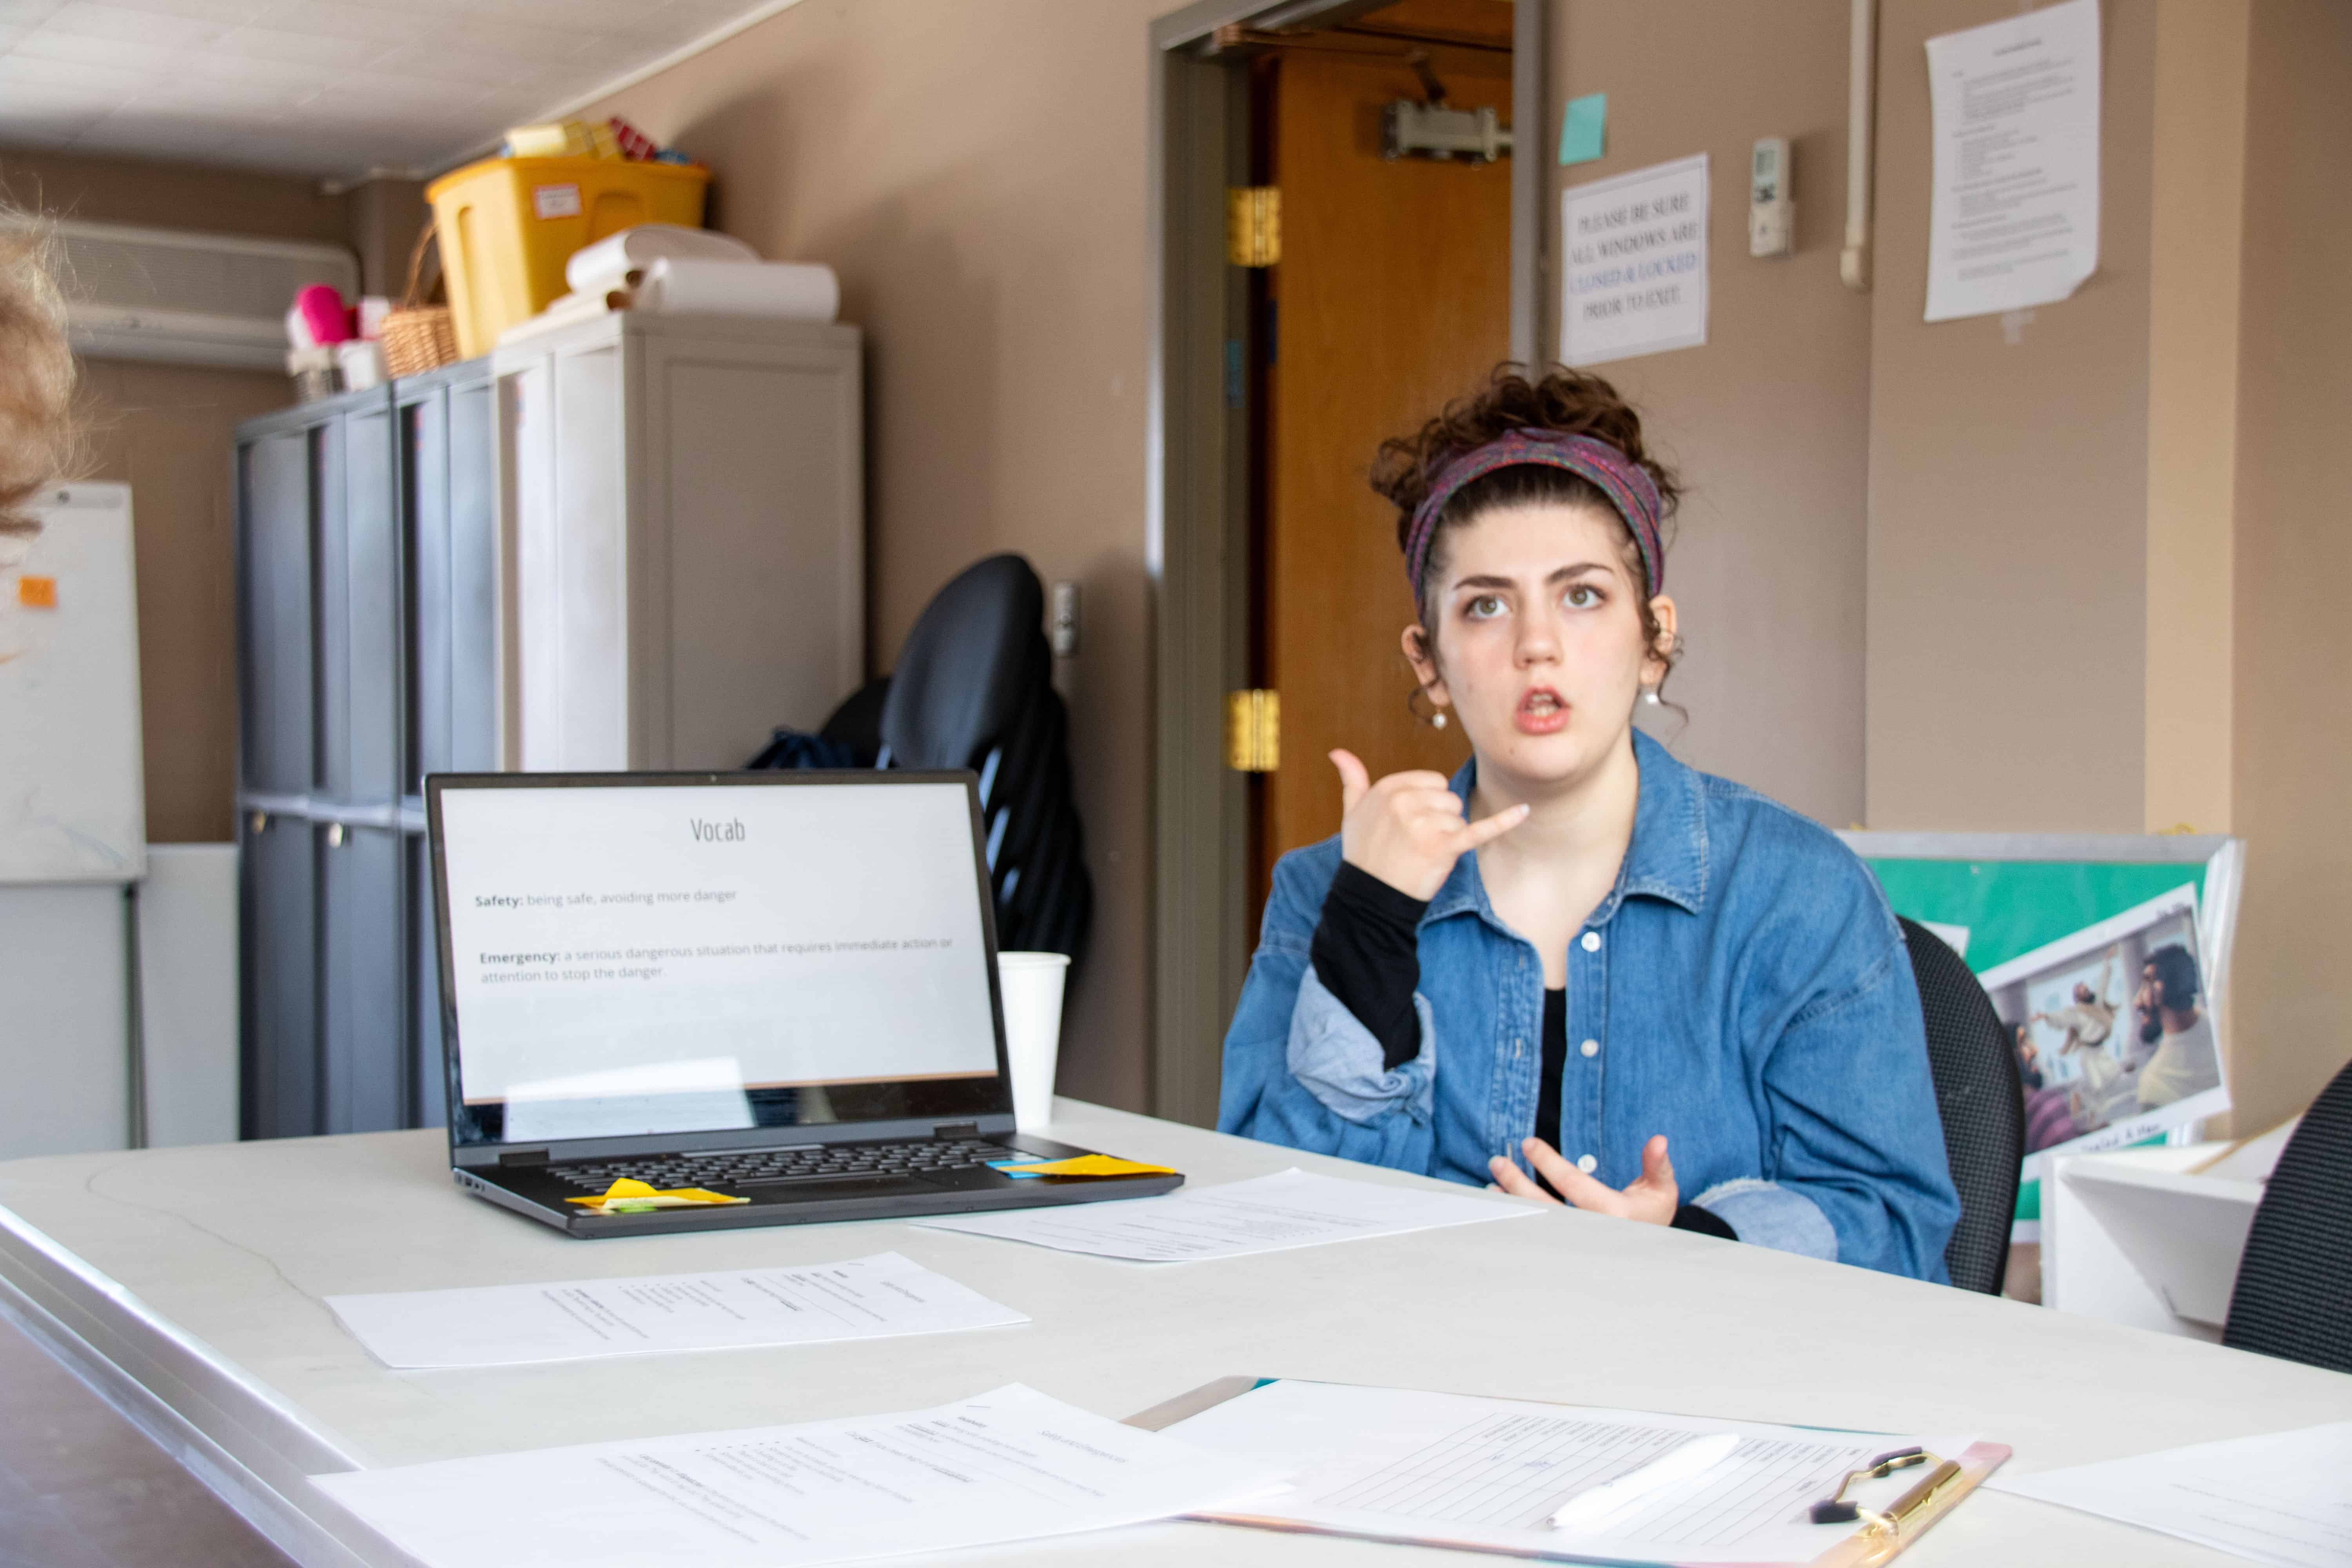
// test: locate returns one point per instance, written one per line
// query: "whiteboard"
(73, 803)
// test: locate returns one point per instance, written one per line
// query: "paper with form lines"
(1013, 1465)
(2283, 1496)
(1267, 1213)
(505, 1325)
(1450, 1469)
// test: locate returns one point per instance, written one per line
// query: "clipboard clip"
(1835, 1508)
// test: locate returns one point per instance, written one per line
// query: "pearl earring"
(1437, 719)
(1650, 695)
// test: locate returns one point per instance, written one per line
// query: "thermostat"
(1771, 214)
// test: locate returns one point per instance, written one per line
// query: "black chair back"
(2294, 1295)
(973, 688)
(1981, 1103)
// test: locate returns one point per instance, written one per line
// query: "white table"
(186, 1283)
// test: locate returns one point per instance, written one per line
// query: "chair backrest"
(2294, 1295)
(1981, 1103)
(973, 688)
(971, 661)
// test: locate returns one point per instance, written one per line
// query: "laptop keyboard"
(778, 1167)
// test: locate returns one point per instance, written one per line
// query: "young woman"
(1579, 955)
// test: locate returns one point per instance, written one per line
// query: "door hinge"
(1252, 225)
(1253, 731)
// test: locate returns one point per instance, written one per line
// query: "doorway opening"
(1347, 244)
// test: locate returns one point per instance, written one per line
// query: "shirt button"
(1518, 1048)
(1586, 1162)
(1592, 942)
(1591, 1047)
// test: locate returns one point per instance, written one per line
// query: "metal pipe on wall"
(1862, 81)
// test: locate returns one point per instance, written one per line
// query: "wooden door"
(1393, 296)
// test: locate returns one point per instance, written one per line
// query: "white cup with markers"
(1033, 983)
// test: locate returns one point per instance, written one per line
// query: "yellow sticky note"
(1089, 1165)
(37, 593)
(640, 1195)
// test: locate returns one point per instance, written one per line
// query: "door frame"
(1196, 549)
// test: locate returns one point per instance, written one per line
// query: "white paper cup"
(1033, 1030)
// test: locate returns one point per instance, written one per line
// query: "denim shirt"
(1744, 989)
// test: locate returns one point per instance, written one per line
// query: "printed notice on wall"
(2015, 215)
(1635, 281)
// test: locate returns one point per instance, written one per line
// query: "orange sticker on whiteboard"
(38, 592)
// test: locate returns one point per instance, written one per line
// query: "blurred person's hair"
(37, 433)
(2176, 971)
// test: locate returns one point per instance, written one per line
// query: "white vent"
(190, 299)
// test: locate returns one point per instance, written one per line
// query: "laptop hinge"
(956, 1130)
(522, 1157)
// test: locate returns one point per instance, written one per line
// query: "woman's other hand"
(1651, 1200)
(1408, 829)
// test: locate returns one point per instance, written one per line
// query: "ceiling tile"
(99, 85)
(80, 50)
(430, 63)
(523, 42)
(288, 76)
(317, 86)
(260, 43)
(228, 13)
(347, 20)
(83, 18)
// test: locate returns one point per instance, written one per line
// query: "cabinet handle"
(260, 822)
(334, 835)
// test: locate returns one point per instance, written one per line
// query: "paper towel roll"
(786, 291)
(636, 248)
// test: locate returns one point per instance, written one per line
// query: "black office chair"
(2294, 1295)
(1981, 1103)
(973, 688)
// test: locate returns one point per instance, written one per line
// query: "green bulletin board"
(2015, 893)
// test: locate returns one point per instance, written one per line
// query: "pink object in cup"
(324, 313)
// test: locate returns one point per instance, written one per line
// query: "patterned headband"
(1624, 481)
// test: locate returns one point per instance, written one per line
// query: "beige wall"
(976, 175)
(166, 430)
(2292, 1003)
(2195, 218)
(2009, 489)
(1767, 422)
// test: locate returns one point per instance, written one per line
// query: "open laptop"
(780, 987)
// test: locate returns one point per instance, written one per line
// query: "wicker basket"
(419, 336)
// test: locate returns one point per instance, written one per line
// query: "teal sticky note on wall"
(1584, 129)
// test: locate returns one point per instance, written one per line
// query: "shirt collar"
(1667, 858)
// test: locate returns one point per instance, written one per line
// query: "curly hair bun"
(1569, 401)
(36, 370)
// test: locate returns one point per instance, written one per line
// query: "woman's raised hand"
(1408, 829)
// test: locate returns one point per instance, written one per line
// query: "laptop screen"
(635, 954)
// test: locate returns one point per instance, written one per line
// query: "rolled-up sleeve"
(1855, 1133)
(1766, 1213)
(1301, 1070)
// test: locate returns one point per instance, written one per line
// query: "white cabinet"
(683, 534)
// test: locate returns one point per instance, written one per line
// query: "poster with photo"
(2115, 1032)
(2042, 910)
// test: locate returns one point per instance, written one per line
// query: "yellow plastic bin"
(509, 225)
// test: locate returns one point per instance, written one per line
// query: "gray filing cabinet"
(634, 542)
(367, 582)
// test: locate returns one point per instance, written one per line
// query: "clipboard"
(1916, 1512)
